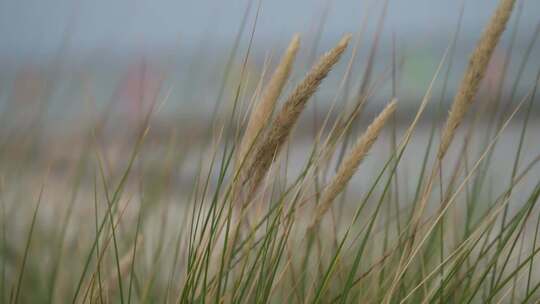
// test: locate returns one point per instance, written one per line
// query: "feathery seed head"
(475, 72)
(262, 111)
(350, 164)
(287, 117)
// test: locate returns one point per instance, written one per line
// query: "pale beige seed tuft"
(350, 164)
(260, 115)
(475, 72)
(283, 123)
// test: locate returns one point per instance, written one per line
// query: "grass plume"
(285, 120)
(475, 72)
(351, 162)
(262, 111)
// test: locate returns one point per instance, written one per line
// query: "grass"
(257, 225)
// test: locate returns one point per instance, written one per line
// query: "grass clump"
(258, 224)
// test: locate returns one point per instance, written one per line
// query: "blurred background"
(67, 66)
(78, 79)
(181, 48)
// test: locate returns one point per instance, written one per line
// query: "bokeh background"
(79, 77)
(69, 68)
(183, 46)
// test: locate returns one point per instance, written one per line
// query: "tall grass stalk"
(248, 207)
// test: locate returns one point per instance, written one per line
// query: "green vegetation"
(253, 225)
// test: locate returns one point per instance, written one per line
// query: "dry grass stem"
(284, 122)
(475, 72)
(111, 283)
(262, 111)
(350, 164)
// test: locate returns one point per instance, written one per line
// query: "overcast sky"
(37, 27)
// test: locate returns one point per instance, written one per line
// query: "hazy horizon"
(39, 29)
